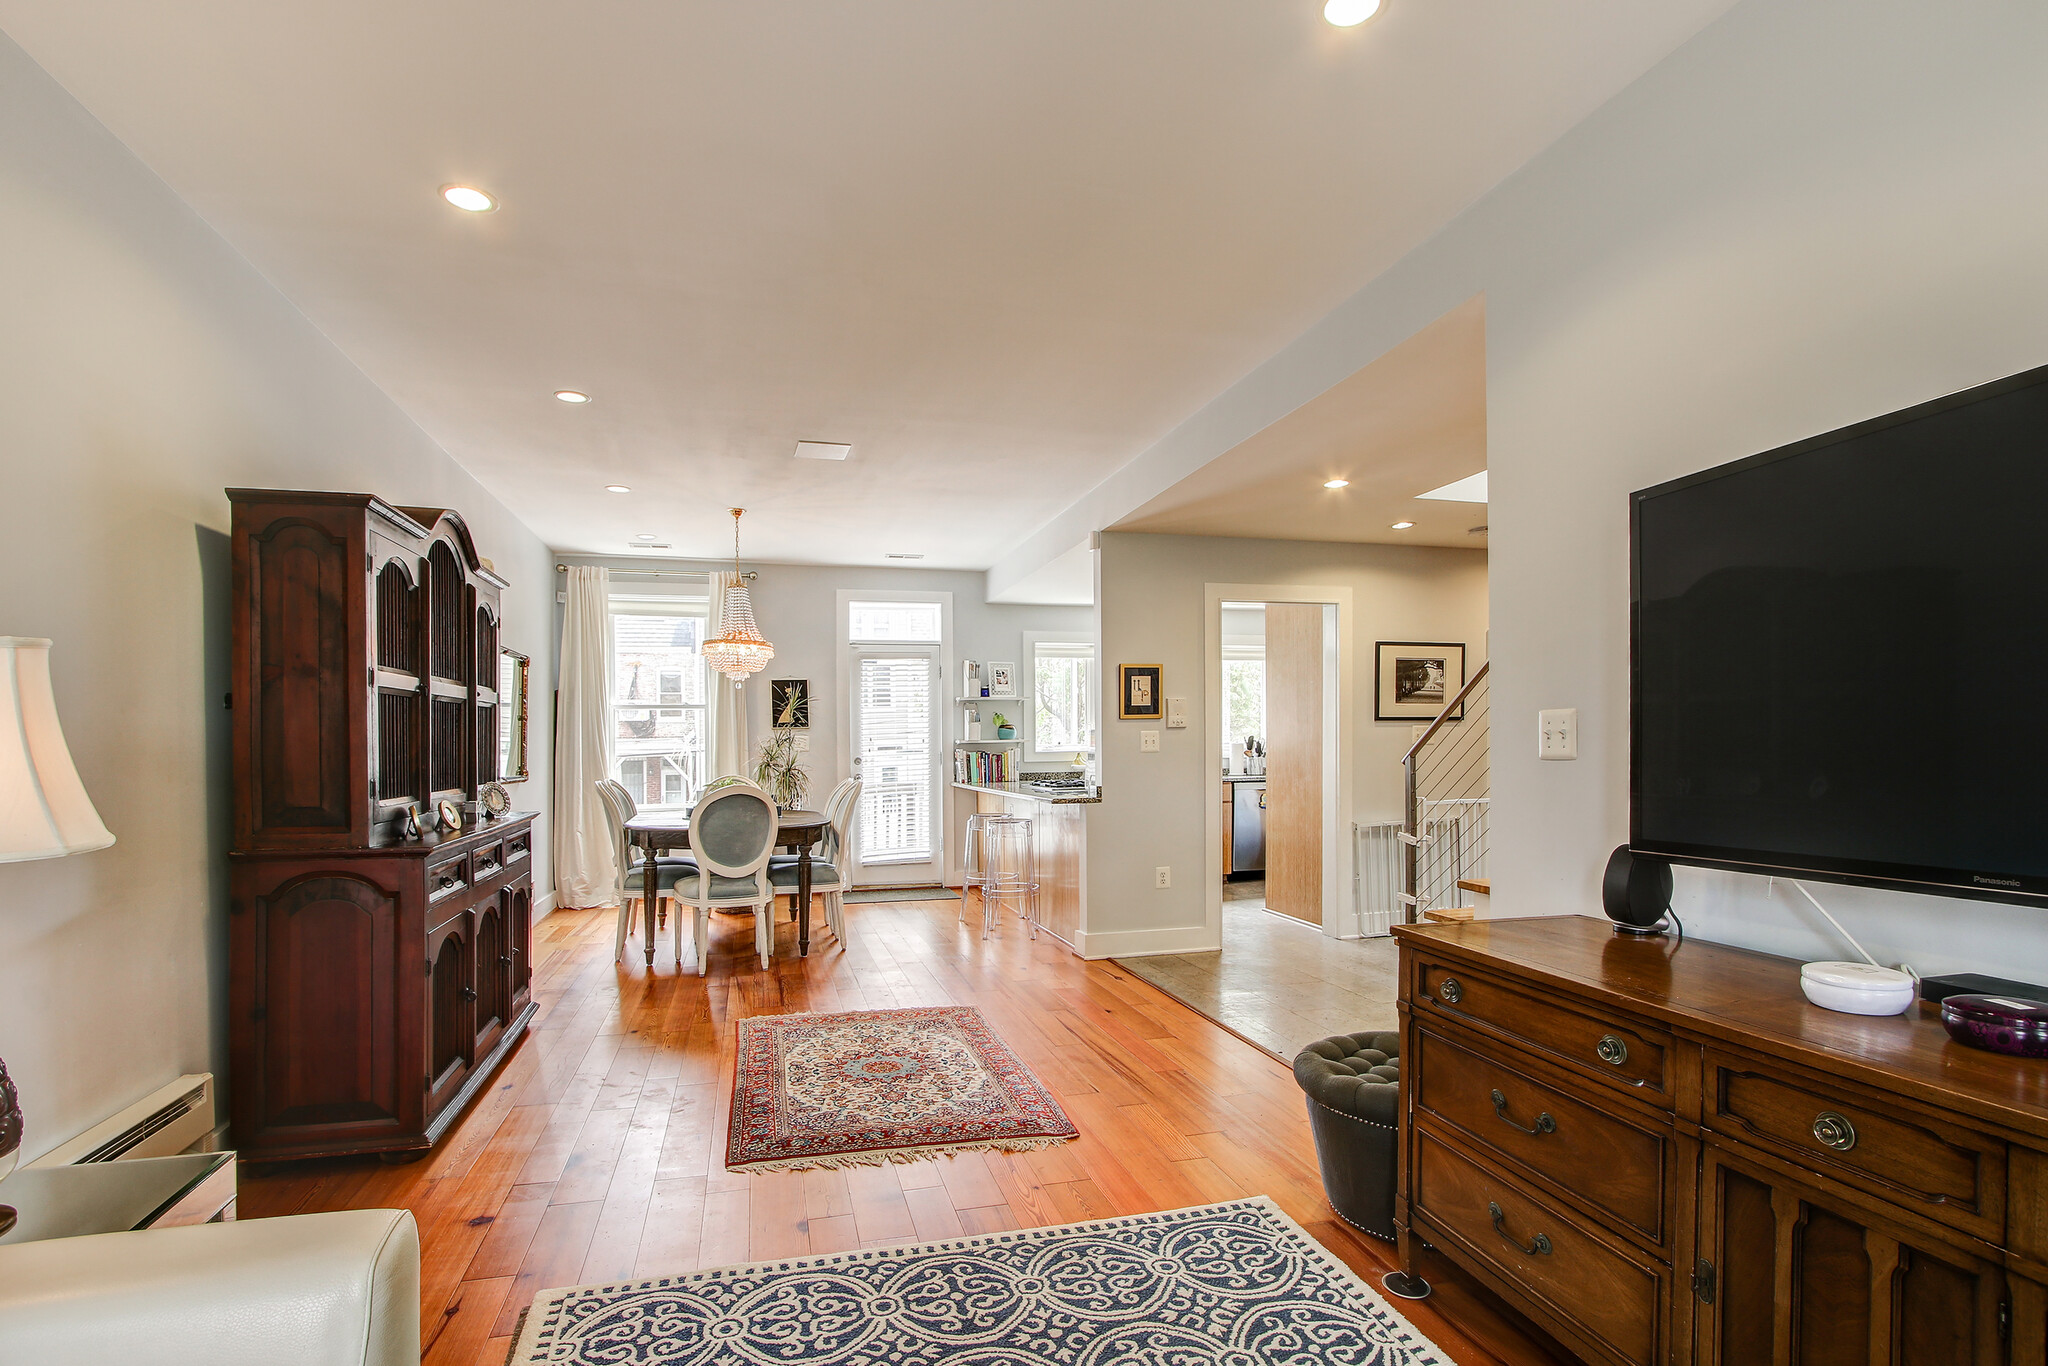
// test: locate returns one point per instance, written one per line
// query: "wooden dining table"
(796, 831)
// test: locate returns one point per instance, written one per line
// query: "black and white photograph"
(1416, 679)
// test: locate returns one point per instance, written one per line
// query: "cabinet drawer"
(1617, 1168)
(486, 862)
(1635, 1058)
(447, 878)
(1609, 1295)
(1947, 1173)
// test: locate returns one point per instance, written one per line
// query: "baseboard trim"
(1145, 943)
(543, 906)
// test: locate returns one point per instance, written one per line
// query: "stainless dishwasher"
(1247, 827)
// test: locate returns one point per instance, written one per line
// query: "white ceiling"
(1411, 421)
(1000, 248)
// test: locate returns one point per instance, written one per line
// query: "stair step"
(1450, 914)
(1481, 885)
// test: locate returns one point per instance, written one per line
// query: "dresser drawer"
(1618, 1168)
(1633, 1058)
(486, 862)
(1945, 1172)
(447, 878)
(1609, 1294)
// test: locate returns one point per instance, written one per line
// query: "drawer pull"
(1835, 1131)
(1544, 1123)
(1539, 1248)
(469, 993)
(1612, 1050)
(1449, 992)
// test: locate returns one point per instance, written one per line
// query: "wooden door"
(451, 1010)
(1789, 1276)
(519, 927)
(1294, 759)
(493, 972)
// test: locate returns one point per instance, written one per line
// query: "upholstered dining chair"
(833, 862)
(732, 833)
(626, 803)
(629, 880)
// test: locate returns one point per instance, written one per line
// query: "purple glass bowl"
(1998, 1024)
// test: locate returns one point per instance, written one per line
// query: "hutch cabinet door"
(493, 972)
(519, 924)
(1793, 1277)
(451, 1009)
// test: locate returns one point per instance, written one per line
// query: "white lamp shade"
(44, 812)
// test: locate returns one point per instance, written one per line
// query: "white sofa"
(309, 1290)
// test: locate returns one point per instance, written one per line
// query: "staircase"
(1447, 787)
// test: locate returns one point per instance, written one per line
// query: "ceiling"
(1001, 249)
(1412, 421)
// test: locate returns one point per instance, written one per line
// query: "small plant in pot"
(1004, 730)
(778, 772)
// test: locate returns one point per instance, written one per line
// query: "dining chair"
(832, 865)
(732, 833)
(629, 880)
(632, 809)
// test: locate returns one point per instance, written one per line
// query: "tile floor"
(1278, 983)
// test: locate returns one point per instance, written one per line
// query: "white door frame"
(1340, 920)
(942, 657)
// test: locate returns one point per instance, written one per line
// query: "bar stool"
(1002, 862)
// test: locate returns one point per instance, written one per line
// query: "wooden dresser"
(374, 981)
(1662, 1153)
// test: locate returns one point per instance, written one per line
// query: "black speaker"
(1636, 891)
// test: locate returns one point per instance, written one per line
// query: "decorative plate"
(497, 801)
(451, 815)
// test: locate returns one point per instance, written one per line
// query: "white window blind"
(895, 759)
(893, 622)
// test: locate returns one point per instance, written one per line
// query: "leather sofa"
(309, 1290)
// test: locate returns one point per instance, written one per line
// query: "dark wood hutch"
(375, 981)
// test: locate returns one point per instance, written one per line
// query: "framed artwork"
(1137, 693)
(1414, 680)
(789, 703)
(1002, 678)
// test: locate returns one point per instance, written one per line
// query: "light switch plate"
(1176, 713)
(1557, 733)
(1148, 741)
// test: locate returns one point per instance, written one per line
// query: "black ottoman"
(1353, 1082)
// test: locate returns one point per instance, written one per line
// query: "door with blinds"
(895, 755)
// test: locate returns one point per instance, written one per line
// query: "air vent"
(895, 556)
(650, 545)
(822, 450)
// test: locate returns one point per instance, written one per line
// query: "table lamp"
(44, 812)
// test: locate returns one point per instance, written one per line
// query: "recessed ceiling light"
(468, 198)
(572, 396)
(616, 488)
(647, 536)
(1350, 13)
(894, 556)
(1336, 483)
(822, 450)
(1470, 489)
(1402, 526)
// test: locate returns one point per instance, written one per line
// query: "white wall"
(796, 608)
(144, 367)
(1815, 212)
(1155, 806)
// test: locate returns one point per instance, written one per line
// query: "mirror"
(512, 670)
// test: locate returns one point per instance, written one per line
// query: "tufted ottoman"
(1353, 1082)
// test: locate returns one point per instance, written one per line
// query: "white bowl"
(1857, 988)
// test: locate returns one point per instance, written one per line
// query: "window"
(893, 622)
(658, 681)
(1063, 696)
(1244, 705)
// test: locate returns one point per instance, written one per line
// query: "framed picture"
(1137, 693)
(1002, 678)
(1416, 679)
(789, 703)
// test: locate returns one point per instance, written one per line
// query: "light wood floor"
(596, 1153)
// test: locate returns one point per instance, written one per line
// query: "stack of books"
(984, 766)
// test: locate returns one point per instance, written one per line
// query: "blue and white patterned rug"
(1237, 1284)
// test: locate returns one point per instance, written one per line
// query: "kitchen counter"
(1073, 797)
(1245, 778)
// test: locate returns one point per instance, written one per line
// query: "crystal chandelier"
(739, 649)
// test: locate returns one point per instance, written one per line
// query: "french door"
(895, 732)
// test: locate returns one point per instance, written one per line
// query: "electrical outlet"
(1557, 733)
(1148, 741)
(1162, 877)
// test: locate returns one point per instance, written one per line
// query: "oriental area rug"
(1237, 1284)
(875, 1086)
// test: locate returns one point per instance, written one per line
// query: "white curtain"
(725, 705)
(585, 868)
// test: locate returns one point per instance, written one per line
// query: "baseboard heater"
(169, 1120)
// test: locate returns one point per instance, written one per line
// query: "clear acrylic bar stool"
(1002, 863)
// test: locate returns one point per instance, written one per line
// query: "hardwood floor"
(596, 1154)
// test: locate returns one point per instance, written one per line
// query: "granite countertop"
(1244, 778)
(1073, 796)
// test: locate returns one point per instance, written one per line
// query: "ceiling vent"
(822, 450)
(650, 545)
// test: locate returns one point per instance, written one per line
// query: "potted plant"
(778, 772)
(1004, 730)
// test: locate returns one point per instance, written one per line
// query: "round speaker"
(1636, 891)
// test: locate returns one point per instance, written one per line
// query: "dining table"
(795, 831)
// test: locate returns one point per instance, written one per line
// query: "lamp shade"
(44, 812)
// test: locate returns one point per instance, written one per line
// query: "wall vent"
(169, 1120)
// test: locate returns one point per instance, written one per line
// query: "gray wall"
(795, 607)
(1155, 806)
(1815, 212)
(144, 367)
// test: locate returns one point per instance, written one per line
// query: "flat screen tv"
(1839, 654)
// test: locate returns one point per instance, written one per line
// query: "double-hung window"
(1063, 695)
(658, 681)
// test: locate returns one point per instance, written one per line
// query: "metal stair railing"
(1446, 802)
